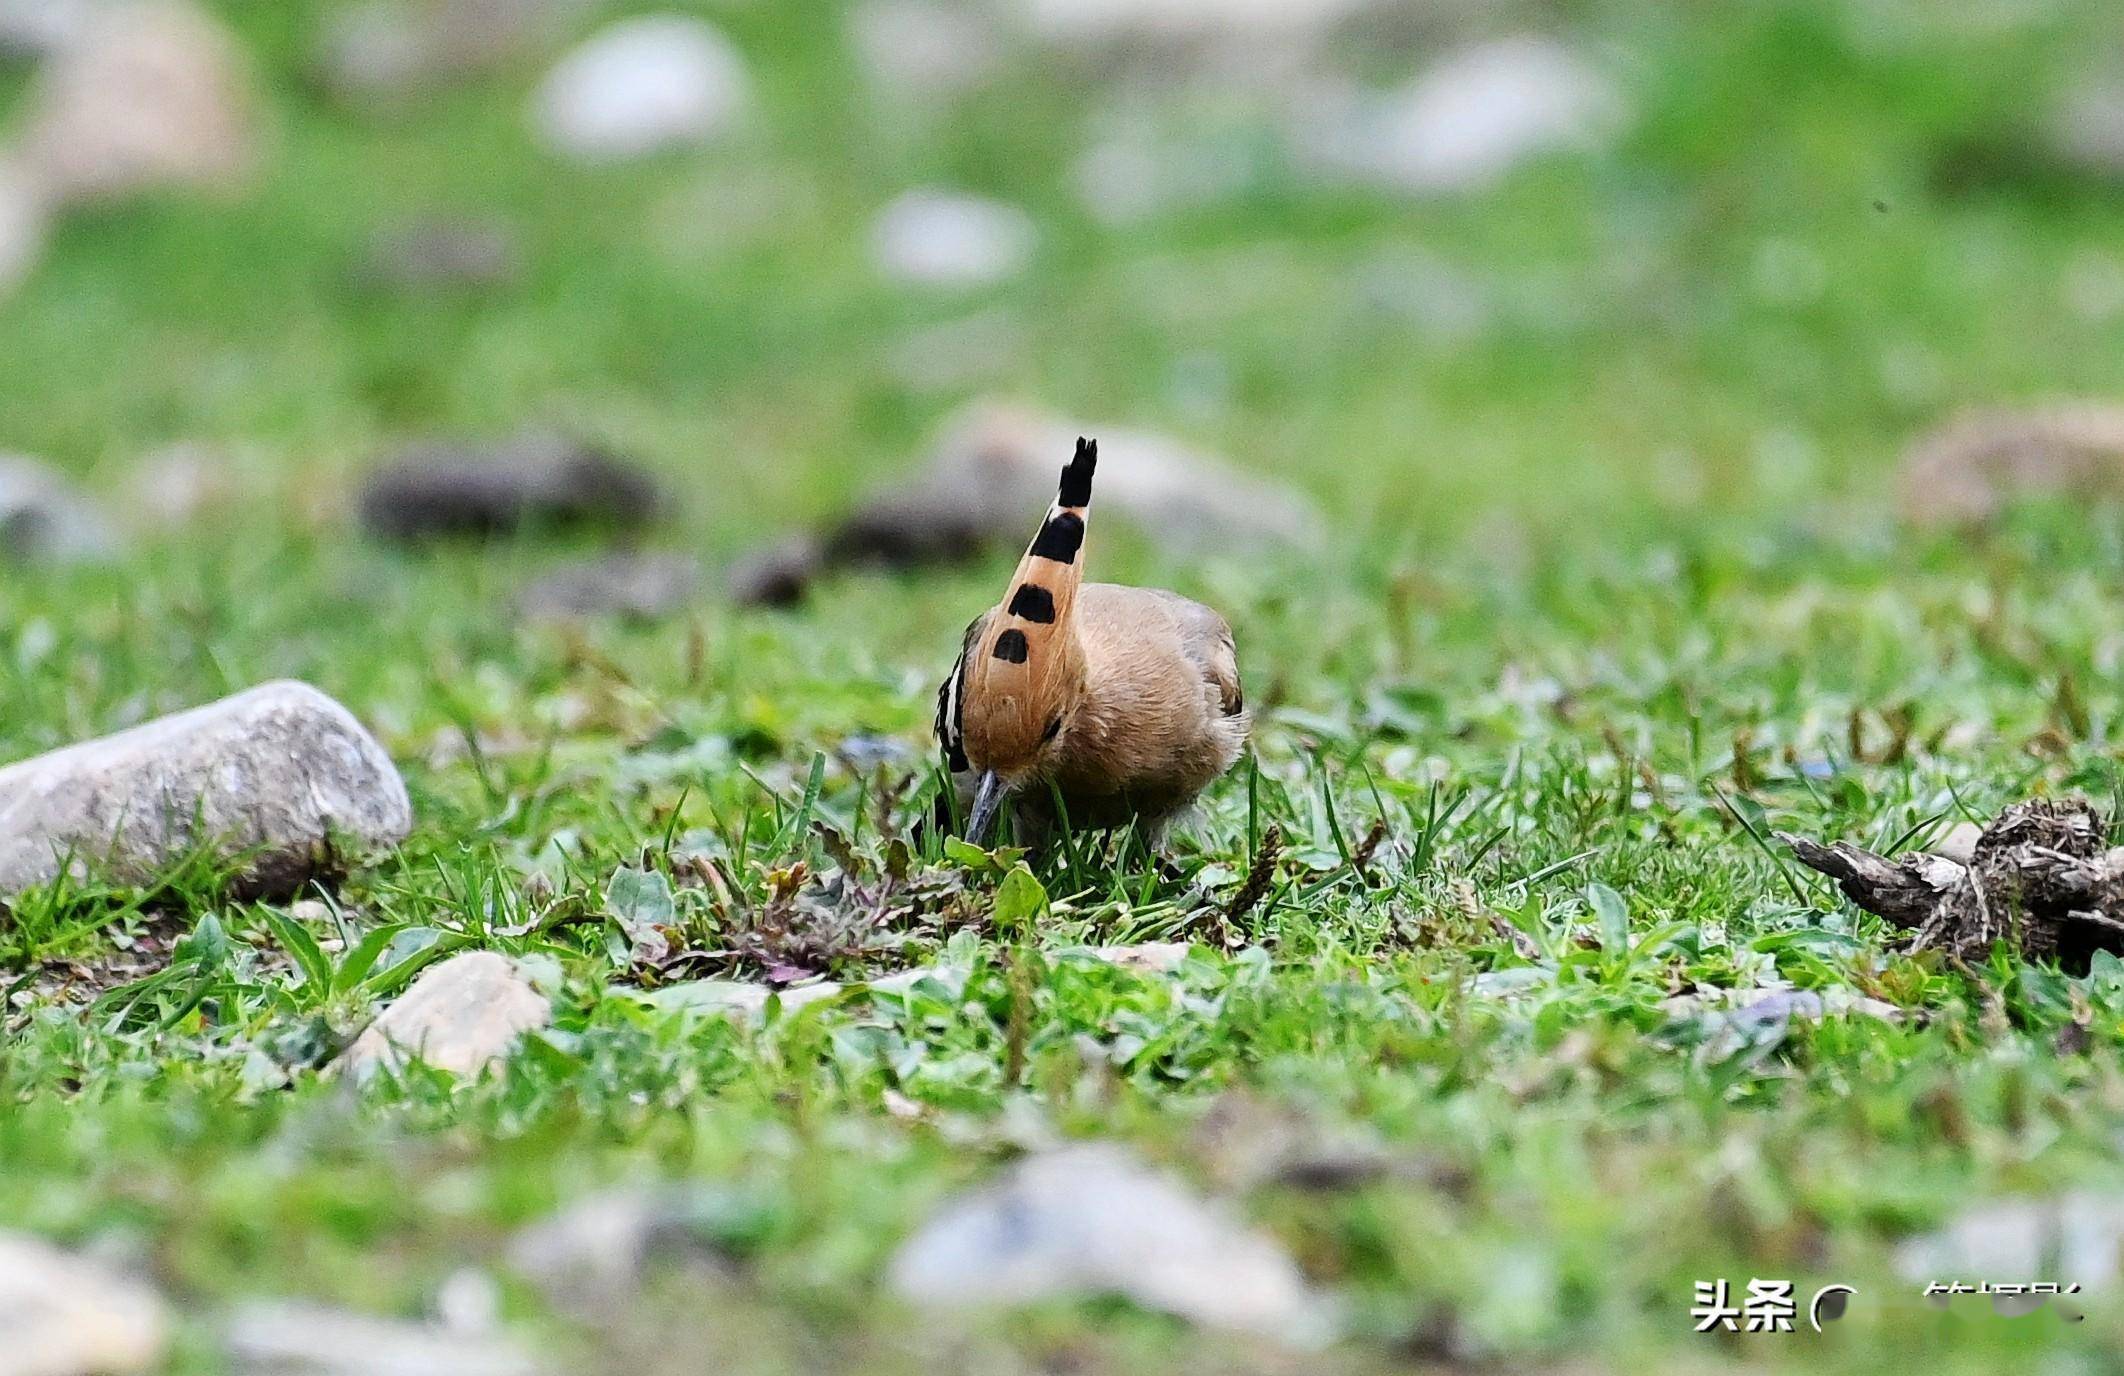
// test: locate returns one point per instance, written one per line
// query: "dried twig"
(1361, 858)
(2039, 877)
(1259, 877)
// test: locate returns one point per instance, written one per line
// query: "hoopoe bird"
(1123, 703)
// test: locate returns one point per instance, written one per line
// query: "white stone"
(463, 1015)
(286, 1338)
(1151, 957)
(1469, 121)
(1111, 21)
(2087, 128)
(2076, 1236)
(63, 1315)
(1957, 843)
(937, 238)
(590, 1257)
(1093, 1219)
(44, 520)
(24, 221)
(642, 86)
(152, 94)
(42, 27)
(280, 774)
(923, 49)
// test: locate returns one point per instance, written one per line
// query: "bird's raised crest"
(1035, 614)
(1023, 662)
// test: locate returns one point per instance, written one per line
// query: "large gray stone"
(463, 1016)
(644, 586)
(382, 51)
(1094, 1219)
(280, 775)
(43, 519)
(152, 94)
(1469, 121)
(63, 1315)
(995, 462)
(443, 488)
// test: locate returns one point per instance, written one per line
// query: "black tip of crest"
(1077, 476)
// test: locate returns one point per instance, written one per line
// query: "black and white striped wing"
(951, 703)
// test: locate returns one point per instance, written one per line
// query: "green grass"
(1618, 592)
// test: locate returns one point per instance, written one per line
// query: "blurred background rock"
(1417, 265)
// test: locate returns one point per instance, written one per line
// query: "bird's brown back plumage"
(1124, 701)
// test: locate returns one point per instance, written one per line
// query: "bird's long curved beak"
(988, 801)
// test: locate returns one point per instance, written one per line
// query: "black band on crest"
(1059, 539)
(1033, 603)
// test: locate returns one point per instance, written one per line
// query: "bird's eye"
(1054, 729)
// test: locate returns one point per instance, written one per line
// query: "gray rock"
(24, 221)
(1972, 469)
(1753, 1008)
(63, 1315)
(280, 776)
(2075, 1236)
(645, 587)
(951, 356)
(1185, 22)
(865, 753)
(381, 52)
(1145, 163)
(179, 482)
(153, 94)
(776, 575)
(1088, 1220)
(38, 28)
(1468, 122)
(463, 1015)
(441, 489)
(933, 238)
(924, 50)
(737, 998)
(745, 999)
(274, 1338)
(43, 520)
(641, 86)
(1150, 957)
(994, 463)
(2087, 129)
(434, 256)
(590, 1258)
